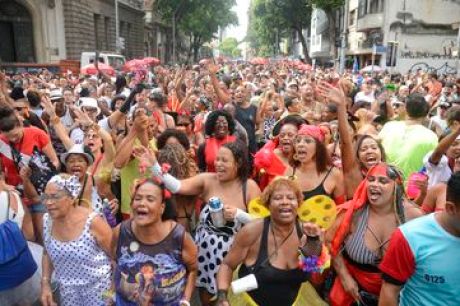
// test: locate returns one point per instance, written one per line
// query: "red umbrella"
(135, 64)
(91, 69)
(152, 61)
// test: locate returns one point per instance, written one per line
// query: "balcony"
(369, 22)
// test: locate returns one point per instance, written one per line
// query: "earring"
(295, 156)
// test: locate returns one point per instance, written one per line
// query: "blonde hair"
(278, 182)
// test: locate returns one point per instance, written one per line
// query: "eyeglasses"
(51, 197)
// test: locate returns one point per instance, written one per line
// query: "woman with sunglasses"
(359, 237)
(231, 185)
(156, 259)
(77, 246)
(368, 152)
(310, 166)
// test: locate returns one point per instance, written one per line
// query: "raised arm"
(350, 165)
(223, 96)
(56, 123)
(445, 143)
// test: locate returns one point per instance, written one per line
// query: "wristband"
(184, 303)
(171, 183)
(242, 216)
(221, 295)
(313, 263)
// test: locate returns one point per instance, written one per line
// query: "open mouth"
(141, 212)
(374, 195)
(76, 170)
(371, 160)
(285, 212)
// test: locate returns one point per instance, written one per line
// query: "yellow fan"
(319, 209)
(257, 209)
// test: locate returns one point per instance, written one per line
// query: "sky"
(241, 10)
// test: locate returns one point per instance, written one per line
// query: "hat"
(293, 83)
(89, 102)
(78, 149)
(56, 94)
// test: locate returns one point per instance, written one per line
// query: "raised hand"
(331, 93)
(145, 156)
(48, 106)
(213, 68)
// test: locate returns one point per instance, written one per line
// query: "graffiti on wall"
(443, 69)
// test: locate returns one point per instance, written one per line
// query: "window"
(374, 6)
(362, 8)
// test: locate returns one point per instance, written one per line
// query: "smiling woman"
(156, 257)
(269, 249)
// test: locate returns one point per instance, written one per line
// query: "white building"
(422, 32)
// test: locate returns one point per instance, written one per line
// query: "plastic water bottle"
(109, 217)
(216, 209)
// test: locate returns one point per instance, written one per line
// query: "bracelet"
(184, 303)
(222, 295)
(313, 263)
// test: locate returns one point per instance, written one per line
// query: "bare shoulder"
(249, 233)
(412, 211)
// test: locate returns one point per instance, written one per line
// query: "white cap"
(89, 102)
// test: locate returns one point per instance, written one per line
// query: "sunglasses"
(184, 124)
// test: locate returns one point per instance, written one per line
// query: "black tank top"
(319, 190)
(276, 287)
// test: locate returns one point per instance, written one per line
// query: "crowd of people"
(246, 184)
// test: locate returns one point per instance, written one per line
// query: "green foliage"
(229, 46)
(328, 5)
(271, 20)
(198, 19)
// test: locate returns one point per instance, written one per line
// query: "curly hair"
(210, 124)
(240, 154)
(179, 135)
(277, 183)
(175, 155)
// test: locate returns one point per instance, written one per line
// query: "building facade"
(47, 31)
(400, 35)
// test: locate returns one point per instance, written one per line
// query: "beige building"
(46, 31)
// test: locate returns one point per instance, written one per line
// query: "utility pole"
(117, 29)
(343, 49)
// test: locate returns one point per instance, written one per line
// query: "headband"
(312, 131)
(70, 184)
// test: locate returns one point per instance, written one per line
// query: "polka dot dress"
(81, 267)
(213, 244)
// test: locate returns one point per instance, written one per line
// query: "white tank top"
(7, 212)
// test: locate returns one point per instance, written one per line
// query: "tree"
(229, 47)
(198, 19)
(272, 19)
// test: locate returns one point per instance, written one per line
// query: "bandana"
(70, 184)
(312, 131)
(360, 200)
